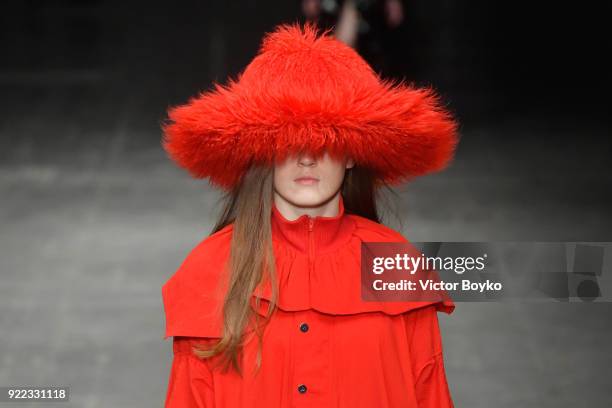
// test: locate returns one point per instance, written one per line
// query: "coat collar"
(313, 235)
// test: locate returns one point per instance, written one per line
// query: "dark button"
(302, 388)
(304, 327)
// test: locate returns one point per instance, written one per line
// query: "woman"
(267, 310)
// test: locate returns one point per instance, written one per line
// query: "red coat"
(324, 346)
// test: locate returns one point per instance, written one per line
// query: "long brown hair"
(248, 207)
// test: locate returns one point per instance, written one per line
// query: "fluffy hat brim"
(305, 92)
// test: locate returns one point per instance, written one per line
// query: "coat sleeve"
(191, 381)
(431, 387)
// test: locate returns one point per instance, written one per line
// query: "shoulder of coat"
(212, 246)
(223, 235)
(370, 230)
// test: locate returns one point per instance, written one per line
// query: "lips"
(306, 180)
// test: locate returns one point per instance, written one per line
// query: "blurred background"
(94, 218)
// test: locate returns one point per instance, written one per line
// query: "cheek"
(281, 178)
(280, 183)
(333, 178)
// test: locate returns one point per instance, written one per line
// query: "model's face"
(306, 181)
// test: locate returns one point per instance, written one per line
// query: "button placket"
(311, 365)
(311, 374)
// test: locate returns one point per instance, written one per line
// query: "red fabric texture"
(324, 346)
(309, 92)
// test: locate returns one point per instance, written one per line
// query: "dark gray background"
(94, 218)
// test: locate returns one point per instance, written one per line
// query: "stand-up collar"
(313, 235)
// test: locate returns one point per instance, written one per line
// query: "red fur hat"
(306, 91)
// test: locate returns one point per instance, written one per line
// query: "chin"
(309, 199)
(306, 202)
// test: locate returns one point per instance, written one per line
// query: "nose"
(307, 160)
